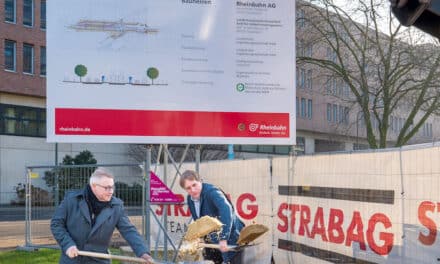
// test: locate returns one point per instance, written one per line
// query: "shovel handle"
(216, 246)
(109, 256)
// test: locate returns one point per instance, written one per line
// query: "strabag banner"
(372, 207)
(171, 71)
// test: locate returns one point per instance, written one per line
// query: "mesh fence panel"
(49, 184)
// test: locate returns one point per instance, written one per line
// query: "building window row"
(304, 49)
(22, 121)
(28, 12)
(336, 87)
(304, 108)
(374, 121)
(396, 123)
(337, 114)
(10, 53)
(273, 149)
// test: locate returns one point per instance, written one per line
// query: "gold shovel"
(202, 227)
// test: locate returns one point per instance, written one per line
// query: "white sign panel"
(171, 71)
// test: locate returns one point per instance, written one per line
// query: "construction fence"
(358, 207)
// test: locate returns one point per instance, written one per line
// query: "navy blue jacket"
(71, 226)
(214, 203)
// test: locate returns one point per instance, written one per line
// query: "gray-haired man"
(86, 219)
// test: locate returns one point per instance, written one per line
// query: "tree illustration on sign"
(152, 73)
(81, 71)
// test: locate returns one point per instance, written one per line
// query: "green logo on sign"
(239, 87)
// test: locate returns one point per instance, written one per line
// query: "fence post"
(198, 147)
(57, 184)
(28, 201)
(165, 206)
(146, 212)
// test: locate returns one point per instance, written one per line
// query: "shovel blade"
(251, 232)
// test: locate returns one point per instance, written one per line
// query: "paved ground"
(12, 233)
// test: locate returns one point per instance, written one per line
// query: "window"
(391, 123)
(427, 130)
(43, 14)
(341, 114)
(28, 13)
(282, 150)
(22, 121)
(309, 79)
(302, 81)
(329, 112)
(28, 58)
(301, 21)
(10, 47)
(328, 85)
(300, 48)
(297, 106)
(303, 107)
(346, 90)
(300, 146)
(10, 11)
(249, 148)
(309, 108)
(297, 77)
(335, 113)
(335, 87)
(331, 86)
(309, 50)
(346, 115)
(43, 61)
(331, 55)
(265, 148)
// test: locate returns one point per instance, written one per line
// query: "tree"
(389, 74)
(65, 179)
(80, 71)
(152, 73)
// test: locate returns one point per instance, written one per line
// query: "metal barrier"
(378, 206)
(46, 186)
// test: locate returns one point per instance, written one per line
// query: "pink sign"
(160, 193)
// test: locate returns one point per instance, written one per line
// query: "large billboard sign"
(171, 71)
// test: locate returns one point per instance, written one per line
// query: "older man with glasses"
(86, 219)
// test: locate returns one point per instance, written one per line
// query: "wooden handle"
(109, 256)
(216, 246)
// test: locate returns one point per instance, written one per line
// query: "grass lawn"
(42, 256)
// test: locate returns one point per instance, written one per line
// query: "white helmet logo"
(253, 127)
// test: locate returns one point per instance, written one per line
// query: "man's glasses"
(106, 188)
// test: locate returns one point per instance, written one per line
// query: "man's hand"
(148, 258)
(72, 252)
(223, 245)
